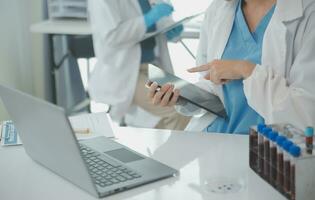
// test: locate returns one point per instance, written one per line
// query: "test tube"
(253, 146)
(286, 167)
(266, 167)
(295, 152)
(273, 157)
(280, 141)
(261, 149)
(296, 135)
(309, 134)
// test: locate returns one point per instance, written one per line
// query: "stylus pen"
(187, 49)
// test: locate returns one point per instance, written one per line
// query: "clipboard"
(171, 26)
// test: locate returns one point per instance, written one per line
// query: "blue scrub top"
(242, 45)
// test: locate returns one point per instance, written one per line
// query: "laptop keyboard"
(103, 172)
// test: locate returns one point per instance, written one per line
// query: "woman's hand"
(174, 33)
(222, 71)
(164, 96)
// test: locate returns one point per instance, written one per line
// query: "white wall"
(181, 59)
(184, 8)
(21, 52)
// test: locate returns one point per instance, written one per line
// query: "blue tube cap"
(260, 127)
(295, 151)
(287, 145)
(266, 131)
(309, 132)
(273, 136)
(280, 140)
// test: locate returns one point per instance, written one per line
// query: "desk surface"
(82, 27)
(69, 27)
(204, 161)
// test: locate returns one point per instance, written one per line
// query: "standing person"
(122, 57)
(257, 55)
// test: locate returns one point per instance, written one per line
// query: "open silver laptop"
(99, 166)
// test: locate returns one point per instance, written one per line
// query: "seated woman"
(257, 56)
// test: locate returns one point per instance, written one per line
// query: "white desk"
(199, 157)
(82, 27)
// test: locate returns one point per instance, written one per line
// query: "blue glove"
(156, 13)
(175, 32)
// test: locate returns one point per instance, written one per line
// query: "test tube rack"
(304, 184)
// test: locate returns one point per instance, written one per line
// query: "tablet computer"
(188, 91)
(169, 27)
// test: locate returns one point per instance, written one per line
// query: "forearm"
(277, 102)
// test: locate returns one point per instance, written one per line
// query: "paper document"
(170, 26)
(93, 125)
(9, 135)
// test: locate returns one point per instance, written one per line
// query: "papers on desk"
(9, 135)
(93, 125)
(85, 126)
(170, 26)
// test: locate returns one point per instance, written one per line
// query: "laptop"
(99, 166)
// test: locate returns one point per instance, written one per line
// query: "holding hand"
(222, 71)
(175, 32)
(157, 12)
(164, 96)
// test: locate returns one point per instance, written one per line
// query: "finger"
(165, 87)
(207, 76)
(148, 84)
(166, 98)
(170, 34)
(210, 74)
(159, 95)
(224, 81)
(180, 28)
(212, 78)
(199, 69)
(216, 80)
(152, 90)
(174, 98)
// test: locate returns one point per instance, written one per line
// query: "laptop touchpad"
(124, 155)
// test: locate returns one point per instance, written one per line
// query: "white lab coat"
(282, 88)
(118, 26)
